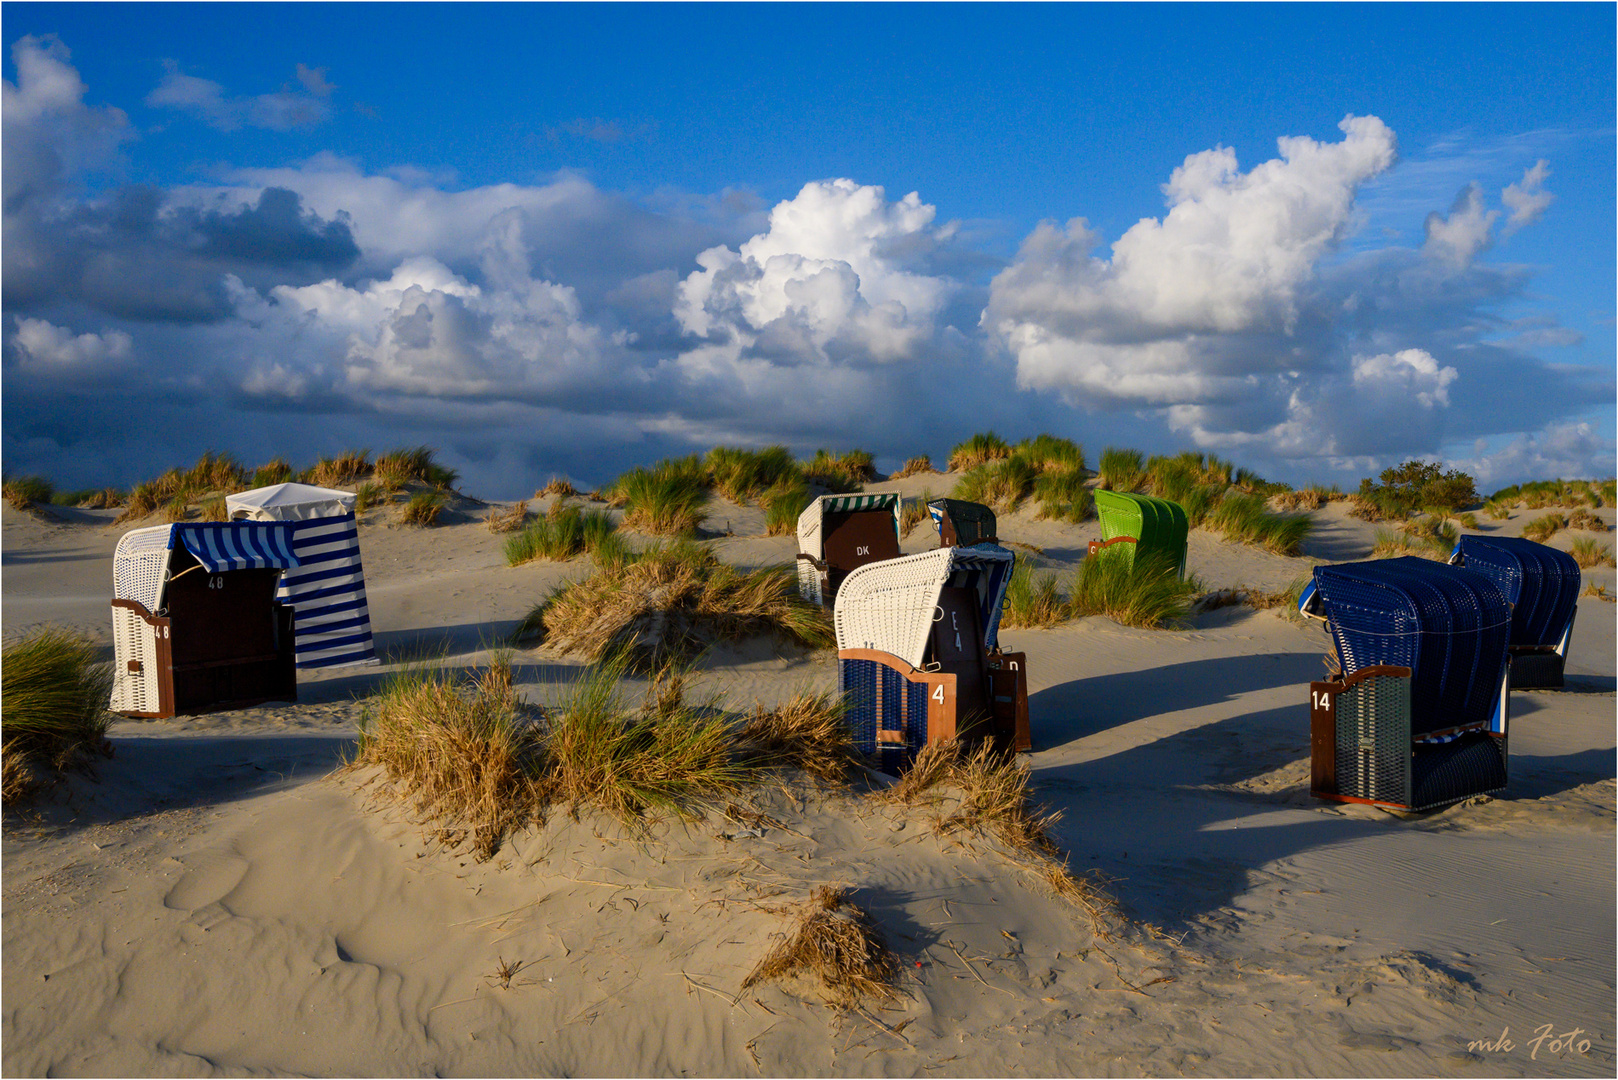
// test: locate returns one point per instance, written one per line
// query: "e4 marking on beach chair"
(837, 534)
(1133, 525)
(918, 655)
(196, 625)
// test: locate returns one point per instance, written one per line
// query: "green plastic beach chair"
(1131, 524)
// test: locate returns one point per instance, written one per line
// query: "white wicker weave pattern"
(132, 640)
(890, 605)
(138, 565)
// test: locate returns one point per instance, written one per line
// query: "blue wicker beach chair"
(1416, 715)
(1542, 585)
(918, 655)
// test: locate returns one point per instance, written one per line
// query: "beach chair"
(918, 655)
(839, 533)
(327, 590)
(1416, 714)
(196, 626)
(1140, 524)
(962, 523)
(1542, 585)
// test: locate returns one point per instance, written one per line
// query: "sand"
(217, 900)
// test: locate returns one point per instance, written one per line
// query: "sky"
(563, 240)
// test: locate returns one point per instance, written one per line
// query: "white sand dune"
(218, 901)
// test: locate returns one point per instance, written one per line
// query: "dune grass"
(985, 792)
(915, 466)
(1544, 527)
(53, 709)
(1244, 518)
(558, 487)
(369, 495)
(914, 512)
(275, 471)
(1062, 495)
(981, 449)
(783, 503)
(1588, 552)
(1003, 484)
(665, 500)
(1121, 469)
(1047, 452)
(27, 492)
(669, 603)
(1496, 510)
(836, 943)
(808, 732)
(1393, 543)
(743, 475)
(508, 520)
(423, 508)
(1031, 599)
(1585, 520)
(840, 473)
(564, 533)
(335, 472)
(457, 751)
(1148, 593)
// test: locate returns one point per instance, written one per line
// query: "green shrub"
(1121, 470)
(1415, 485)
(980, 449)
(53, 708)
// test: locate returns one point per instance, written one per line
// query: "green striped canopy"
(842, 504)
(1157, 525)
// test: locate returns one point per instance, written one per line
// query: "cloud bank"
(554, 326)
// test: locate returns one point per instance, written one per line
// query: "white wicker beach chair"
(837, 534)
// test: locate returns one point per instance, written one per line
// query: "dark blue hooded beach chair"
(1542, 585)
(1416, 717)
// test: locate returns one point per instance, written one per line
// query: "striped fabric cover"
(842, 504)
(327, 591)
(237, 545)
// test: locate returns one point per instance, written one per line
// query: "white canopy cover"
(289, 502)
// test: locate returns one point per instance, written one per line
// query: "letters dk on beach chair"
(840, 533)
(195, 622)
(1416, 714)
(1542, 585)
(1134, 525)
(918, 658)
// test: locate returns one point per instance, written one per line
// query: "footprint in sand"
(209, 877)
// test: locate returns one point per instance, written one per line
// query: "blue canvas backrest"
(1448, 625)
(1541, 581)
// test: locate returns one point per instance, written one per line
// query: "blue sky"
(296, 228)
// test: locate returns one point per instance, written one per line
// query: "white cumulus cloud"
(44, 347)
(1527, 198)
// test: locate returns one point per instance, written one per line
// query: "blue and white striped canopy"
(221, 546)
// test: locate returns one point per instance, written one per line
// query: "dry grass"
(26, 492)
(214, 509)
(423, 508)
(912, 512)
(1585, 520)
(1543, 528)
(914, 467)
(345, 468)
(1364, 509)
(276, 471)
(840, 473)
(1121, 469)
(1588, 552)
(980, 449)
(1599, 592)
(1392, 544)
(985, 793)
(558, 487)
(671, 603)
(509, 519)
(1031, 601)
(105, 499)
(807, 732)
(1496, 510)
(836, 943)
(460, 752)
(53, 709)
(1299, 499)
